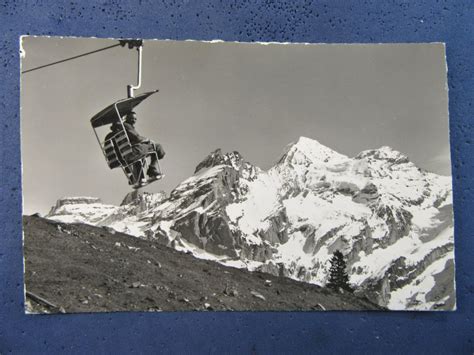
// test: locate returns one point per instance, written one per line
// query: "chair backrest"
(110, 154)
(117, 149)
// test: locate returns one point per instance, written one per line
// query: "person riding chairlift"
(142, 146)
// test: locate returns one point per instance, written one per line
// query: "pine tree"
(338, 278)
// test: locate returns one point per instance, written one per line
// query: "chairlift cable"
(71, 58)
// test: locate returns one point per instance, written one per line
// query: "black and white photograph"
(163, 175)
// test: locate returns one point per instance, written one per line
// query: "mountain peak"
(137, 197)
(307, 150)
(384, 153)
(307, 143)
(64, 201)
(216, 157)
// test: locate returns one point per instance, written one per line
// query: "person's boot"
(153, 172)
(138, 173)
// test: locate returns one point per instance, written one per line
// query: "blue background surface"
(296, 21)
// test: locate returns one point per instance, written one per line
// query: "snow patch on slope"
(413, 295)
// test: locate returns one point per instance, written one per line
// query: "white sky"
(252, 98)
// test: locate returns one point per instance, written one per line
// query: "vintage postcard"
(222, 176)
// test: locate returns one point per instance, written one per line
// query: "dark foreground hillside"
(81, 268)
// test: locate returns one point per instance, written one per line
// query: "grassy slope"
(82, 268)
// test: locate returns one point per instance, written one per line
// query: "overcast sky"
(252, 98)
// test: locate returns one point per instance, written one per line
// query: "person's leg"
(130, 175)
(159, 151)
(154, 169)
(138, 174)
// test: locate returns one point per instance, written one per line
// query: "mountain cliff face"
(391, 220)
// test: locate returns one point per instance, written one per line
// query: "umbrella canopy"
(109, 115)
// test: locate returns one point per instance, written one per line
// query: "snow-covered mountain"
(391, 220)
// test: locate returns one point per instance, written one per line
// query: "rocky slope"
(392, 220)
(82, 268)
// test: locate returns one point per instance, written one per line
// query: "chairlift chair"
(117, 149)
